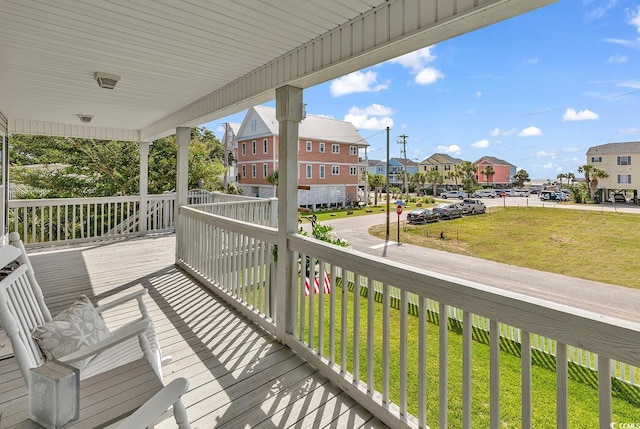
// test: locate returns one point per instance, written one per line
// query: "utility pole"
(404, 151)
(226, 156)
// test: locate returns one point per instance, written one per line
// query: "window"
(447, 167)
(253, 125)
(244, 149)
(265, 146)
(321, 172)
(321, 147)
(624, 160)
(335, 170)
(335, 148)
(253, 147)
(353, 171)
(253, 171)
(624, 178)
(436, 167)
(309, 146)
(380, 169)
(596, 159)
(244, 170)
(353, 150)
(309, 176)
(265, 170)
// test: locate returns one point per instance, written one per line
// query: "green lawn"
(600, 246)
(583, 400)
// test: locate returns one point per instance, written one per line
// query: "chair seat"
(121, 354)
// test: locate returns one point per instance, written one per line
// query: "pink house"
(503, 171)
(328, 158)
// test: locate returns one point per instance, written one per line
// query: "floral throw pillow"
(77, 327)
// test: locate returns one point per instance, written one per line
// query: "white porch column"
(289, 114)
(143, 149)
(183, 137)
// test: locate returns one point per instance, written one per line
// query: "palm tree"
(417, 179)
(570, 177)
(272, 179)
(561, 176)
(488, 172)
(435, 178)
(468, 170)
(591, 176)
(376, 181)
(520, 177)
(456, 173)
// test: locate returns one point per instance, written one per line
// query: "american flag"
(316, 285)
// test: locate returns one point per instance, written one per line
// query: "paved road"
(603, 298)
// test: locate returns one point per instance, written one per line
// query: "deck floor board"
(239, 375)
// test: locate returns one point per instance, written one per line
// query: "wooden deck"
(239, 375)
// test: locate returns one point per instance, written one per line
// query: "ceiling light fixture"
(106, 80)
(85, 118)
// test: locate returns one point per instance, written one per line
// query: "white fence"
(355, 340)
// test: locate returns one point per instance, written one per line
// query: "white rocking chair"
(22, 308)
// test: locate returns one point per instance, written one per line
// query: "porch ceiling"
(184, 63)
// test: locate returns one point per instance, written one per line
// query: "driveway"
(602, 298)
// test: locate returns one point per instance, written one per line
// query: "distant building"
(329, 165)
(503, 171)
(443, 163)
(621, 161)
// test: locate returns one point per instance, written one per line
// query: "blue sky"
(536, 90)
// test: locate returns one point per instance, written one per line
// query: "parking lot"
(534, 201)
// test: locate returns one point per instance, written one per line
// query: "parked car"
(547, 195)
(519, 193)
(470, 206)
(420, 216)
(454, 194)
(448, 211)
(618, 198)
(485, 193)
(561, 196)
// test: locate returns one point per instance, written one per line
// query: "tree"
(521, 177)
(376, 181)
(591, 177)
(435, 178)
(570, 178)
(561, 176)
(456, 173)
(272, 179)
(468, 176)
(488, 171)
(417, 179)
(96, 168)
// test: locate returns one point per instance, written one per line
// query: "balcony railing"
(377, 329)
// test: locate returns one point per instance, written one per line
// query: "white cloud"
(498, 132)
(418, 61)
(479, 94)
(546, 154)
(570, 149)
(599, 9)
(356, 82)
(530, 131)
(634, 84)
(531, 61)
(634, 18)
(582, 115)
(629, 131)
(551, 166)
(373, 117)
(322, 115)
(480, 144)
(452, 149)
(428, 76)
(617, 59)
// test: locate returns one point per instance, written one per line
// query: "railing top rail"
(264, 233)
(71, 201)
(230, 203)
(610, 336)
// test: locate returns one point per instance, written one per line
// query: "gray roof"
(409, 163)
(373, 162)
(624, 147)
(494, 161)
(441, 158)
(315, 127)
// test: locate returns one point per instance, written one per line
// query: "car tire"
(444, 196)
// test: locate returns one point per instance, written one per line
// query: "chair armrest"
(147, 414)
(127, 331)
(119, 301)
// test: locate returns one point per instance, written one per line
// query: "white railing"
(71, 220)
(374, 345)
